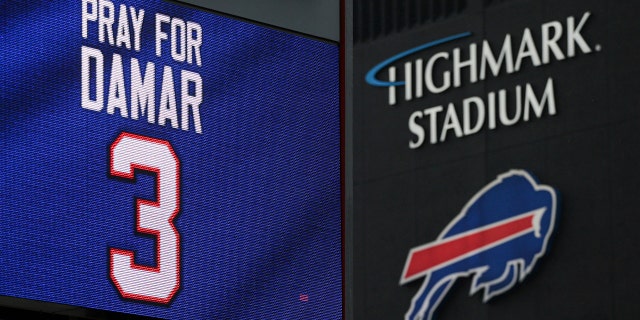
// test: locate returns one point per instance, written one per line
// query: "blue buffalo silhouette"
(497, 267)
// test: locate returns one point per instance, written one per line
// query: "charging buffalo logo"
(497, 238)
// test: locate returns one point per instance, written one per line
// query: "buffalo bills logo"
(497, 238)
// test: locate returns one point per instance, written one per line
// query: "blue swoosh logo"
(371, 75)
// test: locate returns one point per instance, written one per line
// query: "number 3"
(160, 283)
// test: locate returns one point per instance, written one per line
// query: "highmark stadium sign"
(495, 150)
(427, 73)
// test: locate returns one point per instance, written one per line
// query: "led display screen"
(165, 161)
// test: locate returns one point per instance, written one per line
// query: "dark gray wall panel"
(588, 151)
(319, 18)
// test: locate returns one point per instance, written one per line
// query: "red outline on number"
(140, 230)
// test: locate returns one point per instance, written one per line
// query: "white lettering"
(194, 41)
(191, 101)
(548, 98)
(431, 113)
(117, 95)
(466, 120)
(504, 116)
(408, 84)
(89, 54)
(549, 43)
(122, 34)
(88, 15)
(416, 129)
(105, 21)
(178, 41)
(419, 78)
(136, 20)
(477, 112)
(451, 122)
(185, 39)
(574, 37)
(527, 50)
(446, 76)
(392, 89)
(506, 56)
(167, 109)
(143, 93)
(180, 110)
(160, 35)
(470, 63)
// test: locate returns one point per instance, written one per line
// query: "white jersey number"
(159, 283)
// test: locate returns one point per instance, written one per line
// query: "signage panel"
(451, 97)
(164, 161)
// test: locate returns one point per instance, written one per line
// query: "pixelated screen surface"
(169, 162)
